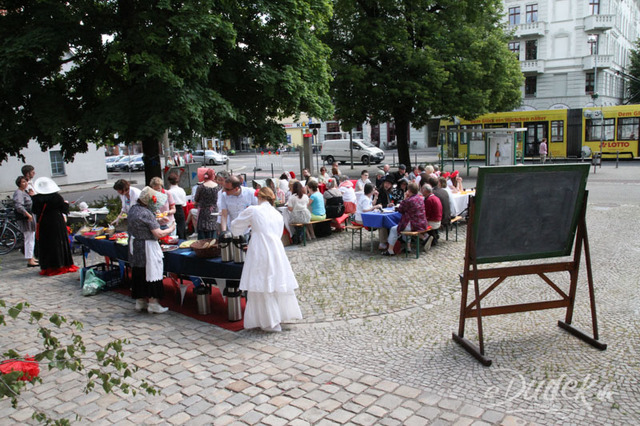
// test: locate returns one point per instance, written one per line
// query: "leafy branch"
(63, 348)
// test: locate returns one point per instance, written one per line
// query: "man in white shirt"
(128, 197)
(234, 200)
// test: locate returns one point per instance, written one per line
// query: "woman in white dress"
(267, 275)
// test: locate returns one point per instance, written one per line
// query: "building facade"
(572, 50)
(86, 167)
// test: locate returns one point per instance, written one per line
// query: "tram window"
(557, 131)
(515, 124)
(628, 128)
(466, 137)
(594, 131)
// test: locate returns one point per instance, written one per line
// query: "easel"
(474, 309)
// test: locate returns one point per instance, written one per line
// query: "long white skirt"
(268, 310)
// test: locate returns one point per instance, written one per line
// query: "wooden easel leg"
(581, 239)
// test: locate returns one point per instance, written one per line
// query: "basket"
(207, 253)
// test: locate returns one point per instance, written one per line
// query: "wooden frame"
(566, 300)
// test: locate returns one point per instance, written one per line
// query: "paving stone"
(492, 416)
(340, 416)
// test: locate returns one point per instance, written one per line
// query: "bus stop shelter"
(500, 146)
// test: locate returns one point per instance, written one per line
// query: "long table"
(180, 261)
(460, 202)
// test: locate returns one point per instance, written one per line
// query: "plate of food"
(167, 247)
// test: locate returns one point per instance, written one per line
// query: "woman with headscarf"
(267, 275)
(348, 194)
(168, 209)
(51, 230)
(145, 254)
(27, 224)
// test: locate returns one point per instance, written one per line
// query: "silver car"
(209, 156)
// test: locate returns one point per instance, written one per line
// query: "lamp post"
(593, 41)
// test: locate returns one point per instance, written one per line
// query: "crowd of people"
(222, 202)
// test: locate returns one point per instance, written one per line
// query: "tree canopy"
(633, 90)
(410, 60)
(90, 71)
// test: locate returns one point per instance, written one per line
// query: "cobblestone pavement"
(374, 346)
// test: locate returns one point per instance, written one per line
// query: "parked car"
(209, 156)
(122, 164)
(110, 162)
(339, 150)
(136, 164)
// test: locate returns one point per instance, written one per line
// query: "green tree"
(410, 60)
(74, 73)
(633, 90)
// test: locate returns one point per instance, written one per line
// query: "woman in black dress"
(51, 230)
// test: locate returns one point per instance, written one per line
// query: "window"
(514, 15)
(57, 163)
(594, 130)
(531, 13)
(391, 131)
(594, 7)
(466, 137)
(589, 83)
(628, 129)
(593, 44)
(530, 86)
(557, 131)
(514, 46)
(531, 50)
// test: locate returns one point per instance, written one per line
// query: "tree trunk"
(402, 136)
(151, 158)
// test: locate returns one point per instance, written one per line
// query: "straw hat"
(45, 185)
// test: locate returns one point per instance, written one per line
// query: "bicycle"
(10, 235)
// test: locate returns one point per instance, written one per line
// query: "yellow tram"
(614, 130)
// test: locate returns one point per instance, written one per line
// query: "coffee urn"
(239, 243)
(226, 246)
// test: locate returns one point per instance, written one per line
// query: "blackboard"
(527, 212)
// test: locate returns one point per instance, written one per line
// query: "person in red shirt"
(433, 213)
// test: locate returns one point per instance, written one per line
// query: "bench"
(454, 222)
(416, 235)
(302, 225)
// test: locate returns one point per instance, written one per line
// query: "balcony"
(598, 22)
(532, 66)
(602, 61)
(530, 29)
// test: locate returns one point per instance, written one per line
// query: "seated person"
(366, 201)
(333, 203)
(316, 205)
(433, 213)
(348, 194)
(364, 179)
(397, 193)
(443, 195)
(297, 204)
(384, 192)
(413, 217)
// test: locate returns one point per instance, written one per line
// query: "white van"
(338, 150)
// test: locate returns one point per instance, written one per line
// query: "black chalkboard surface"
(527, 212)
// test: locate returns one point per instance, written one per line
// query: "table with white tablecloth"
(460, 202)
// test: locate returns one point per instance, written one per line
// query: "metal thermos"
(239, 243)
(203, 298)
(226, 246)
(234, 298)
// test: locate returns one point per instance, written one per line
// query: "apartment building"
(573, 53)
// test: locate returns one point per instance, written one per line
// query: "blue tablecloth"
(381, 220)
(180, 261)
